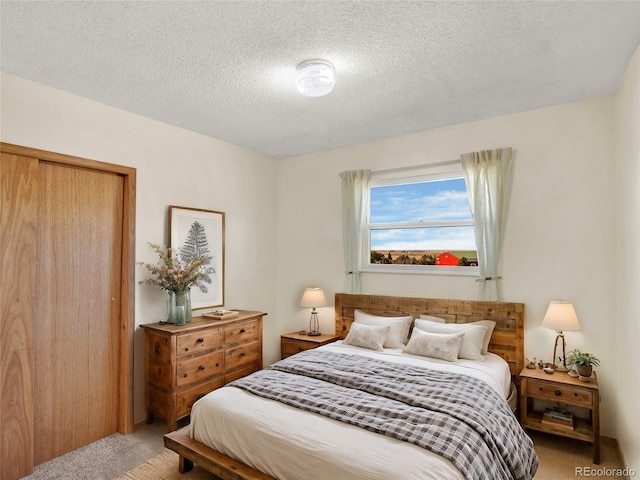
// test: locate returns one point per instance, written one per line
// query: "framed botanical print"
(194, 232)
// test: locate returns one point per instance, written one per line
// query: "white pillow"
(398, 332)
(472, 342)
(433, 319)
(435, 345)
(490, 324)
(365, 336)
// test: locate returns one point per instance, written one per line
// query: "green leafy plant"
(582, 359)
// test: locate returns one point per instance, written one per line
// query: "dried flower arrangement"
(175, 273)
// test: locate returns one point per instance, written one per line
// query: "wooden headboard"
(507, 339)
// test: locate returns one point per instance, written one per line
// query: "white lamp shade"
(315, 78)
(313, 297)
(561, 316)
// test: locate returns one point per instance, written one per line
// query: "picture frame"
(206, 230)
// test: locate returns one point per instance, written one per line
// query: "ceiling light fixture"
(315, 78)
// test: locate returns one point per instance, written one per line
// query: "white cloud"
(444, 205)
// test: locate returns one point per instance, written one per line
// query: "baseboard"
(613, 442)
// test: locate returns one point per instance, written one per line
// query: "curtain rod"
(412, 167)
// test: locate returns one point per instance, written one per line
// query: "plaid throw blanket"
(458, 417)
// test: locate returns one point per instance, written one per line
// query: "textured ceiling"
(227, 68)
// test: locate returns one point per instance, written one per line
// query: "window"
(420, 221)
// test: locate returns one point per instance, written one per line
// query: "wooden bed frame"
(507, 341)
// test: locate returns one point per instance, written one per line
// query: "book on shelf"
(558, 417)
(221, 314)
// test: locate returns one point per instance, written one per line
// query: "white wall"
(560, 236)
(174, 167)
(627, 143)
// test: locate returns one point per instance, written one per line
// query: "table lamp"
(561, 316)
(313, 297)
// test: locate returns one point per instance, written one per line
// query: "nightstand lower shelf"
(582, 428)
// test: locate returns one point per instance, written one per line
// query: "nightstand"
(292, 343)
(561, 388)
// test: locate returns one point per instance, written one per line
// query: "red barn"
(446, 259)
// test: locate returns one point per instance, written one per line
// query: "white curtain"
(355, 202)
(488, 177)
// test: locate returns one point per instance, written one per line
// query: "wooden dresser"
(184, 363)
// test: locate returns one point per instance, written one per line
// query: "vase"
(171, 307)
(183, 298)
(180, 315)
(187, 307)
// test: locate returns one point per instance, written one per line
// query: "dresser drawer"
(241, 332)
(242, 372)
(191, 343)
(291, 347)
(560, 393)
(241, 355)
(198, 368)
(186, 399)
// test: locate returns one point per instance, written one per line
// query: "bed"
(263, 428)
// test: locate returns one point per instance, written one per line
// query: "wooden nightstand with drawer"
(292, 343)
(561, 388)
(184, 363)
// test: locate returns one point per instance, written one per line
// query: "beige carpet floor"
(558, 460)
(165, 467)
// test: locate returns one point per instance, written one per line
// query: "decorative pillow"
(472, 342)
(490, 324)
(366, 336)
(398, 332)
(432, 318)
(435, 345)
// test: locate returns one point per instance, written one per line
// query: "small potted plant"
(583, 363)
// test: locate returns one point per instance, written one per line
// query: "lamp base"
(561, 367)
(314, 325)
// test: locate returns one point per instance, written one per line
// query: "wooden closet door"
(77, 318)
(18, 224)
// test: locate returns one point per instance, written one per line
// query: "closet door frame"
(127, 289)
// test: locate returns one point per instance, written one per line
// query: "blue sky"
(415, 202)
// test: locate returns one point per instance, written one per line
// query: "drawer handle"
(217, 364)
(185, 375)
(201, 367)
(242, 354)
(558, 393)
(200, 340)
(242, 330)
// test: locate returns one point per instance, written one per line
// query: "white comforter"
(291, 444)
